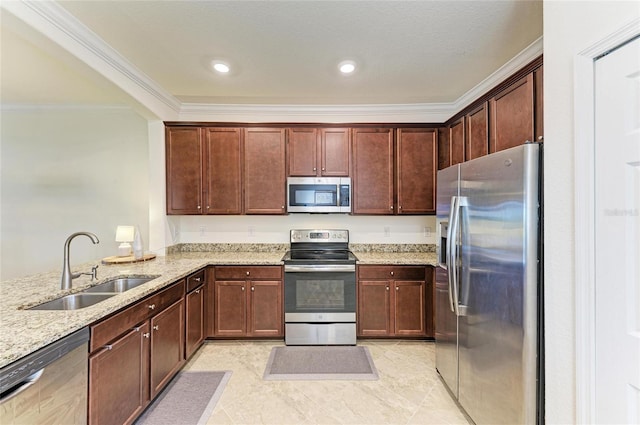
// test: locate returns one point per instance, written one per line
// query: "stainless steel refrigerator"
(489, 285)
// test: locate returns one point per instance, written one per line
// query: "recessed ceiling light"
(347, 67)
(221, 67)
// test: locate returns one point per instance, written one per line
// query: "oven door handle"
(314, 268)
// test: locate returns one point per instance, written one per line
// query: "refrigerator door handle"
(452, 254)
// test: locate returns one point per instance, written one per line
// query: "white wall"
(569, 27)
(69, 170)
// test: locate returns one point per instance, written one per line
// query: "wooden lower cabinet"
(393, 301)
(194, 312)
(134, 354)
(248, 302)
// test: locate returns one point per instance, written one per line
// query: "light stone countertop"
(25, 331)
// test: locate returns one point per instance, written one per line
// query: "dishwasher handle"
(20, 386)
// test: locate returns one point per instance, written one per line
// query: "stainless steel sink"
(119, 285)
(73, 302)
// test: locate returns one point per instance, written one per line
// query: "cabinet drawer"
(392, 272)
(108, 329)
(195, 280)
(248, 272)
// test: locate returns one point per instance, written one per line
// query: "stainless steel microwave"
(319, 194)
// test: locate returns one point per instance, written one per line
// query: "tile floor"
(408, 391)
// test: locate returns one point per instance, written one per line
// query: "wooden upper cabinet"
(318, 152)
(456, 141)
(302, 151)
(477, 140)
(264, 171)
(538, 80)
(184, 170)
(372, 180)
(335, 150)
(444, 156)
(416, 164)
(511, 113)
(223, 170)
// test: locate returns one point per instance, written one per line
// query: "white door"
(617, 235)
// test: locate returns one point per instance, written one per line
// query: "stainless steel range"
(320, 289)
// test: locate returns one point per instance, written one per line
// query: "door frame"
(584, 219)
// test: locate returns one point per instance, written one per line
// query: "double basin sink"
(94, 294)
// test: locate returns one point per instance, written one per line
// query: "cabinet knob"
(108, 347)
(391, 273)
(248, 273)
(197, 279)
(387, 288)
(146, 334)
(198, 206)
(391, 207)
(400, 207)
(282, 206)
(253, 288)
(243, 288)
(197, 291)
(397, 288)
(322, 168)
(208, 207)
(314, 168)
(152, 307)
(156, 327)
(137, 329)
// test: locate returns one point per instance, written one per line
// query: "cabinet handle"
(108, 347)
(197, 291)
(156, 327)
(152, 307)
(137, 329)
(146, 334)
(197, 279)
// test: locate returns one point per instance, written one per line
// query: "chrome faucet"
(67, 276)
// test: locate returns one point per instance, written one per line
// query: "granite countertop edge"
(25, 331)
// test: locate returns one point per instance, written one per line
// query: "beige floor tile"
(408, 391)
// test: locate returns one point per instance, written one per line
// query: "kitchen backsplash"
(272, 247)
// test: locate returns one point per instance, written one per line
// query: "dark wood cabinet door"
(511, 113)
(456, 141)
(184, 170)
(264, 171)
(265, 308)
(194, 320)
(477, 143)
(372, 180)
(538, 81)
(409, 310)
(223, 170)
(444, 154)
(119, 379)
(167, 346)
(416, 171)
(430, 301)
(335, 149)
(374, 303)
(302, 151)
(230, 307)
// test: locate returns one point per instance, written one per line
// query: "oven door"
(320, 293)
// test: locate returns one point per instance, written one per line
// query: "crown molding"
(61, 27)
(54, 22)
(426, 112)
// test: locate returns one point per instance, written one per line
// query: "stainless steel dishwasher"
(48, 386)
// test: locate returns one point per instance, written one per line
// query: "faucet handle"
(94, 272)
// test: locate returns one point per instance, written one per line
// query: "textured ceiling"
(286, 52)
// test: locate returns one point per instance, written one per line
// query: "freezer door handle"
(454, 224)
(450, 253)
